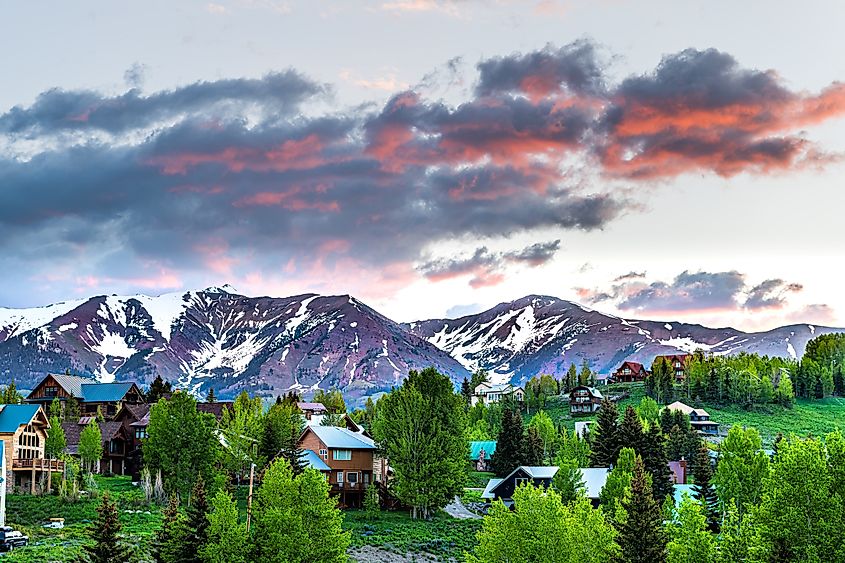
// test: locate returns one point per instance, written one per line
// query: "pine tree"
(605, 438)
(654, 459)
(509, 445)
(211, 397)
(466, 391)
(533, 452)
(641, 535)
(571, 378)
(109, 546)
(72, 410)
(703, 490)
(631, 431)
(170, 542)
(198, 519)
(585, 375)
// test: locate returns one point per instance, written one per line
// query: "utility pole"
(249, 497)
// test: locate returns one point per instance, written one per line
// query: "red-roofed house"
(629, 372)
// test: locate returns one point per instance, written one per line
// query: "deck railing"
(39, 464)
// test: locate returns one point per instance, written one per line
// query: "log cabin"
(23, 429)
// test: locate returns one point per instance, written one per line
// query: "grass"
(443, 536)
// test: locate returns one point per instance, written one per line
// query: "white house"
(489, 393)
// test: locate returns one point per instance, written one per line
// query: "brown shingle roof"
(214, 408)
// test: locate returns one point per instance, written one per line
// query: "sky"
(678, 161)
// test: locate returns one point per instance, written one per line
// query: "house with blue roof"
(107, 397)
(350, 457)
(23, 429)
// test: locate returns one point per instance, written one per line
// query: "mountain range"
(269, 345)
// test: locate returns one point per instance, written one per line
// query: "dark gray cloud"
(770, 294)
(60, 110)
(234, 176)
(692, 291)
(487, 267)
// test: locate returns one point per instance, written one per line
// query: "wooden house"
(311, 409)
(116, 444)
(135, 419)
(629, 372)
(23, 429)
(593, 478)
(107, 397)
(489, 393)
(349, 456)
(678, 362)
(584, 400)
(699, 419)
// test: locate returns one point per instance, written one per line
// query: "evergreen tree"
(631, 431)
(10, 395)
(641, 535)
(211, 397)
(197, 521)
(72, 410)
(548, 433)
(585, 376)
(605, 439)
(170, 541)
(466, 391)
(332, 400)
(510, 449)
(283, 425)
(654, 459)
(571, 378)
(533, 452)
(158, 389)
(108, 546)
(703, 490)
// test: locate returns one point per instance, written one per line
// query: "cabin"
(135, 419)
(489, 394)
(350, 457)
(584, 400)
(216, 408)
(629, 372)
(480, 453)
(594, 479)
(116, 444)
(107, 397)
(678, 363)
(311, 409)
(699, 419)
(23, 429)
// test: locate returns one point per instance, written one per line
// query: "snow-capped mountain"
(269, 345)
(218, 338)
(541, 334)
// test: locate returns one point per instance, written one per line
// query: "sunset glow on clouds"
(268, 184)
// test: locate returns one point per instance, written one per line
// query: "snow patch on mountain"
(18, 321)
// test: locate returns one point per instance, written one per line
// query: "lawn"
(443, 536)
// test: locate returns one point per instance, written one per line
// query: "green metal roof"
(13, 417)
(475, 447)
(104, 392)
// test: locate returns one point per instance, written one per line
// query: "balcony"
(38, 464)
(338, 487)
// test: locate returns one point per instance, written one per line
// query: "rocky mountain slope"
(541, 334)
(216, 337)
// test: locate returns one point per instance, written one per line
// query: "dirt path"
(370, 554)
(456, 509)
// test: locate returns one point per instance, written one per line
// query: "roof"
(488, 490)
(594, 479)
(136, 412)
(686, 409)
(593, 391)
(304, 406)
(142, 422)
(636, 367)
(488, 446)
(313, 460)
(539, 471)
(679, 491)
(70, 383)
(496, 388)
(215, 408)
(105, 392)
(110, 429)
(341, 438)
(73, 432)
(13, 417)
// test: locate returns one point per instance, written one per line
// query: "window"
(352, 477)
(140, 433)
(341, 455)
(51, 391)
(340, 476)
(324, 454)
(519, 481)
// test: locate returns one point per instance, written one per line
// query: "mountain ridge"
(218, 338)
